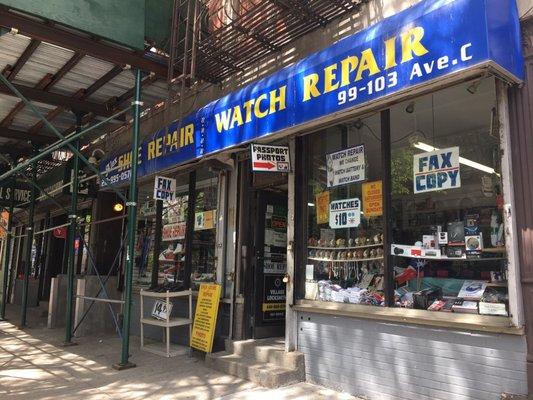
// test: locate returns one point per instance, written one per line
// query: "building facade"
(390, 244)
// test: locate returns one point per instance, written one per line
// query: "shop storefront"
(385, 251)
(179, 230)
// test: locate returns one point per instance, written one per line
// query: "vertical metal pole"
(45, 254)
(132, 222)
(195, 30)
(157, 242)
(72, 236)
(29, 239)
(7, 253)
(191, 208)
(387, 207)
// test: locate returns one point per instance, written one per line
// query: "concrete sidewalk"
(33, 365)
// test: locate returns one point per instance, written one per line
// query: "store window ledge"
(469, 322)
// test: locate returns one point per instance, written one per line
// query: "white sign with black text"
(436, 170)
(164, 188)
(160, 310)
(346, 166)
(345, 213)
(270, 158)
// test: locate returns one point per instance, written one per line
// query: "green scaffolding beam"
(72, 142)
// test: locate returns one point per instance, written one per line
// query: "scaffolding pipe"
(47, 151)
(132, 221)
(72, 235)
(29, 241)
(58, 134)
(7, 253)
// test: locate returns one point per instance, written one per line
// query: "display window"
(447, 202)
(344, 214)
(443, 248)
(172, 254)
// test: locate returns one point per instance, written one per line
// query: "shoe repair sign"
(270, 158)
(436, 170)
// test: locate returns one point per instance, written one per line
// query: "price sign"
(345, 213)
(160, 310)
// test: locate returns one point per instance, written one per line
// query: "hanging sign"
(413, 48)
(270, 158)
(164, 188)
(345, 213)
(60, 233)
(436, 170)
(20, 194)
(205, 317)
(346, 166)
(372, 199)
(322, 207)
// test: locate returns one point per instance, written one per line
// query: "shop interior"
(172, 252)
(447, 242)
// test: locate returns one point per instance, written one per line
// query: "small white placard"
(270, 158)
(160, 310)
(436, 170)
(345, 213)
(492, 309)
(309, 272)
(346, 166)
(164, 188)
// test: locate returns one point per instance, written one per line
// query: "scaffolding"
(209, 41)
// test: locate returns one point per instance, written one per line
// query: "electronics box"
(423, 299)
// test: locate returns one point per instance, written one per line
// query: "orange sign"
(322, 207)
(4, 217)
(372, 199)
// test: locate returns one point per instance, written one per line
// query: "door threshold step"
(265, 374)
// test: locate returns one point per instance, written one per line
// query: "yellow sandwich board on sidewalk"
(205, 317)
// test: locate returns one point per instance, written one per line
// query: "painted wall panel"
(390, 361)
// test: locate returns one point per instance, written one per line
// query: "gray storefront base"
(383, 360)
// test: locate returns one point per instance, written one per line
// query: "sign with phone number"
(345, 213)
(426, 42)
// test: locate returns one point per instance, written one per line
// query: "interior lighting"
(118, 207)
(310, 204)
(462, 160)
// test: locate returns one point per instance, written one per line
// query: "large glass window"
(447, 199)
(447, 250)
(172, 253)
(344, 214)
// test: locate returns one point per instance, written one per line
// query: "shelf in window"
(345, 248)
(345, 261)
(446, 258)
(500, 249)
(497, 284)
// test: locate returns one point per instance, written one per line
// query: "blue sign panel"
(421, 44)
